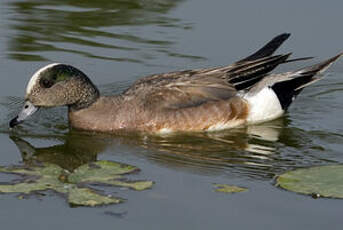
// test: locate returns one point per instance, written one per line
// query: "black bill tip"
(14, 122)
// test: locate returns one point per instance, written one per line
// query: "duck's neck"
(87, 96)
(107, 113)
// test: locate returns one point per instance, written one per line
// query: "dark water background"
(117, 42)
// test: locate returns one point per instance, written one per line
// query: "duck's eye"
(45, 83)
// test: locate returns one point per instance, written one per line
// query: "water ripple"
(105, 26)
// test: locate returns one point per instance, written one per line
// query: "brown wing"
(194, 87)
(181, 89)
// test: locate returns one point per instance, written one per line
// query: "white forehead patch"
(35, 77)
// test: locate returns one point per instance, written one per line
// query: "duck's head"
(57, 85)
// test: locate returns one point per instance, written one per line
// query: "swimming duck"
(192, 100)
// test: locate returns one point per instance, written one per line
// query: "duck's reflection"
(250, 150)
(254, 151)
(75, 151)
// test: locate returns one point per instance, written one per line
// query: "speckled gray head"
(57, 85)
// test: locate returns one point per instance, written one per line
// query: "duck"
(198, 100)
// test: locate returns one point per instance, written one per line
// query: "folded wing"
(194, 87)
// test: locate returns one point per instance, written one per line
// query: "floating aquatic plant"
(228, 188)
(319, 181)
(73, 184)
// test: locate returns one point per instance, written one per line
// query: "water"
(117, 42)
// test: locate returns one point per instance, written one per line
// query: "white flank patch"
(165, 131)
(264, 106)
(227, 125)
(35, 77)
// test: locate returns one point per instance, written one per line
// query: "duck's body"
(195, 100)
(129, 115)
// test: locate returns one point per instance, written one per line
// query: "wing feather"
(194, 87)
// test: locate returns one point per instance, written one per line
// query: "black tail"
(248, 73)
(290, 88)
(267, 49)
(250, 70)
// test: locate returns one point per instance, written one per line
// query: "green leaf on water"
(88, 197)
(228, 188)
(100, 171)
(321, 181)
(135, 185)
(52, 177)
(48, 169)
(107, 172)
(38, 178)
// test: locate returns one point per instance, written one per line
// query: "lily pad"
(135, 185)
(229, 188)
(34, 179)
(109, 173)
(321, 181)
(88, 197)
(100, 171)
(73, 184)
